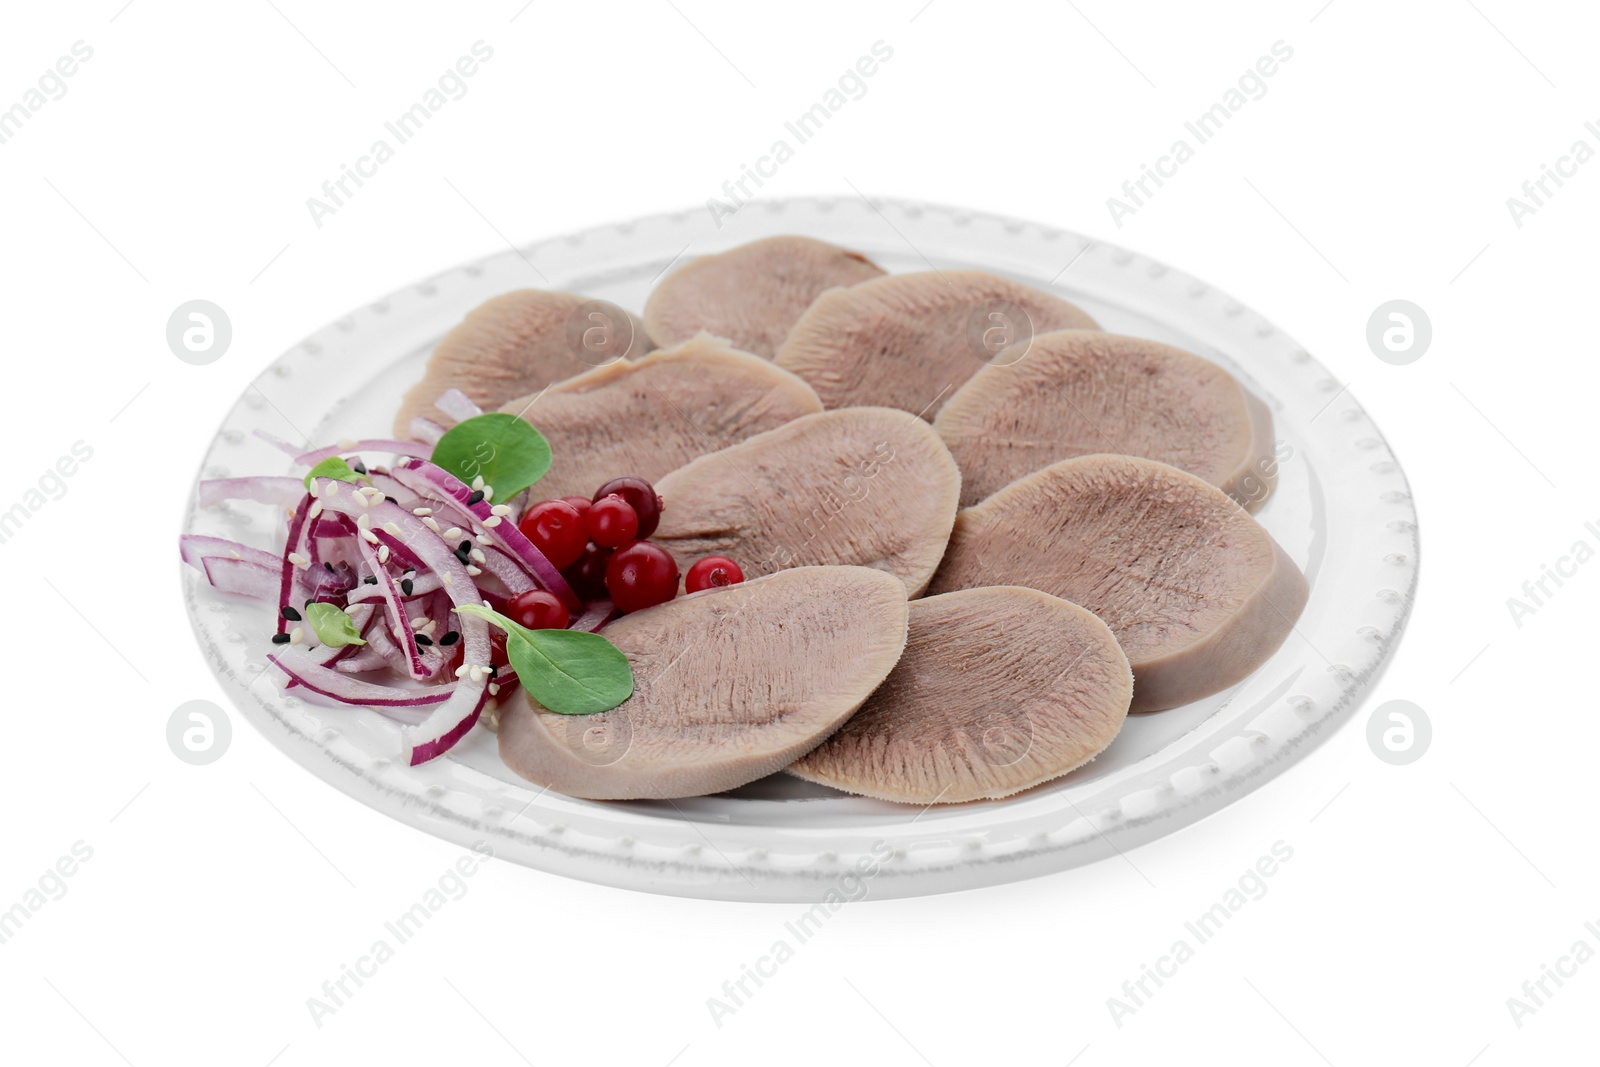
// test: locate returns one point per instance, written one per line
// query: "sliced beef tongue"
(1197, 592)
(999, 689)
(1078, 392)
(752, 295)
(730, 685)
(651, 415)
(866, 486)
(910, 340)
(516, 344)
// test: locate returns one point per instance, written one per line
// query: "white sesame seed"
(500, 509)
(453, 533)
(364, 521)
(488, 492)
(234, 552)
(445, 579)
(331, 488)
(477, 483)
(494, 689)
(431, 524)
(383, 553)
(461, 671)
(473, 572)
(477, 673)
(299, 560)
(297, 635)
(478, 555)
(429, 627)
(347, 444)
(393, 528)
(419, 622)
(370, 537)
(419, 512)
(492, 521)
(361, 498)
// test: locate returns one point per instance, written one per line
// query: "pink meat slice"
(999, 689)
(516, 344)
(910, 340)
(872, 487)
(752, 295)
(649, 416)
(730, 685)
(1079, 392)
(1197, 592)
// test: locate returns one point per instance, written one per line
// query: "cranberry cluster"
(602, 547)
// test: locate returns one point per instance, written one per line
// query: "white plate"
(1342, 510)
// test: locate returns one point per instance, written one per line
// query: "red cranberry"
(641, 575)
(711, 572)
(537, 610)
(612, 522)
(556, 528)
(588, 576)
(641, 496)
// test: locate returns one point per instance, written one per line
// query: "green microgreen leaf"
(334, 628)
(499, 447)
(335, 467)
(566, 671)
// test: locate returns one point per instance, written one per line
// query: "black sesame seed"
(405, 586)
(494, 672)
(359, 467)
(424, 640)
(291, 614)
(280, 639)
(391, 500)
(464, 551)
(328, 566)
(371, 579)
(450, 638)
(476, 497)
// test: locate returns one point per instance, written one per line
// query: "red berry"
(588, 576)
(537, 610)
(612, 522)
(711, 572)
(641, 496)
(580, 502)
(641, 575)
(556, 528)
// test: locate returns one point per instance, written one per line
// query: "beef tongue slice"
(1196, 591)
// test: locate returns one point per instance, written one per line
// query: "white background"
(1378, 166)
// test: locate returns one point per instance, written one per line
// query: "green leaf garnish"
(501, 448)
(334, 467)
(332, 625)
(566, 671)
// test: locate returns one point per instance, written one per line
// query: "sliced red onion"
(426, 430)
(279, 443)
(245, 577)
(422, 584)
(508, 570)
(427, 479)
(457, 405)
(303, 670)
(596, 615)
(391, 594)
(284, 492)
(195, 547)
(370, 444)
(289, 585)
(362, 661)
(451, 719)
